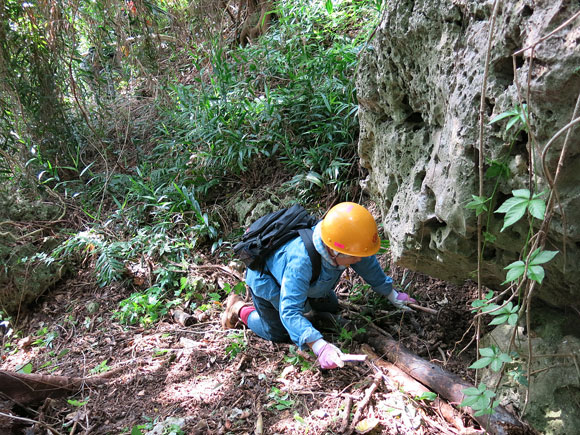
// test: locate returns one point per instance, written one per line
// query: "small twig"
(425, 309)
(243, 360)
(551, 141)
(545, 369)
(554, 355)
(217, 266)
(365, 401)
(74, 427)
(28, 420)
(346, 414)
(543, 38)
(442, 355)
(259, 424)
(445, 430)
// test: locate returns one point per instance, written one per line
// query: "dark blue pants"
(266, 323)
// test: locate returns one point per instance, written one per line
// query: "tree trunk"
(444, 383)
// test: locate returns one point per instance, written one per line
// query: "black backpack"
(271, 231)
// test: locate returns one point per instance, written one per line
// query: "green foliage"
(144, 308)
(479, 303)
(346, 336)
(173, 429)
(108, 264)
(238, 288)
(296, 359)
(504, 313)
(77, 403)
(45, 338)
(329, 7)
(493, 357)
(169, 242)
(359, 293)
(291, 97)
(497, 170)
(517, 117)
(479, 204)
(280, 400)
(534, 269)
(26, 368)
(237, 343)
(148, 426)
(427, 395)
(479, 399)
(143, 182)
(102, 367)
(301, 420)
(518, 375)
(385, 245)
(522, 201)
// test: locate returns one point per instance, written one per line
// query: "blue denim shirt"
(290, 265)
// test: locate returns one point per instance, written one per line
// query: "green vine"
(523, 275)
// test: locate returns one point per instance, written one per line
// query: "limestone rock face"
(419, 89)
(555, 386)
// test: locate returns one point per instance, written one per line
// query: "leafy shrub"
(291, 97)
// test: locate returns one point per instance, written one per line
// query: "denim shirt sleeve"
(370, 270)
(292, 268)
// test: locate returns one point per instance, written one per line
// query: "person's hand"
(328, 354)
(400, 300)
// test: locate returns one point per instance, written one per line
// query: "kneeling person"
(347, 236)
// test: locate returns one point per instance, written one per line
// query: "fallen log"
(28, 389)
(414, 387)
(446, 384)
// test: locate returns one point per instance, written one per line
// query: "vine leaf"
(515, 270)
(537, 208)
(508, 313)
(489, 237)
(478, 204)
(479, 399)
(497, 170)
(541, 257)
(492, 356)
(516, 206)
(535, 271)
(517, 114)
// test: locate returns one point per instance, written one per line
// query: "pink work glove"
(400, 300)
(328, 354)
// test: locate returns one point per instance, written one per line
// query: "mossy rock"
(25, 274)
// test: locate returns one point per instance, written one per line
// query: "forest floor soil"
(217, 382)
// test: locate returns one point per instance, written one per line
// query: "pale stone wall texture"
(419, 89)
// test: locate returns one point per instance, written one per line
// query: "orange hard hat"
(350, 229)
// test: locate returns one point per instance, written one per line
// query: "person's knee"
(333, 307)
(276, 333)
(327, 304)
(280, 338)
